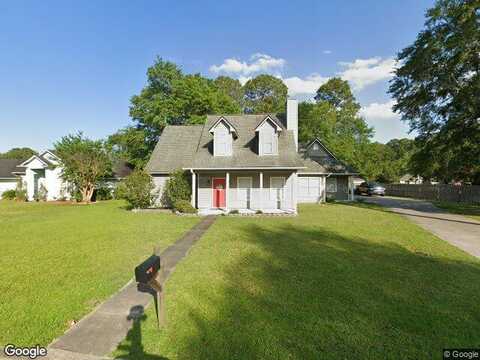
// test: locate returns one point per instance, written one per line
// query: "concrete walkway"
(99, 333)
(458, 230)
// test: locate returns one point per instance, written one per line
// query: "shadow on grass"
(134, 347)
(310, 293)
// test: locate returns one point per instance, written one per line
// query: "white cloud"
(381, 111)
(308, 85)
(327, 52)
(363, 72)
(258, 62)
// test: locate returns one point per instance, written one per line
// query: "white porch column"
(324, 189)
(351, 188)
(194, 188)
(227, 190)
(261, 190)
(294, 191)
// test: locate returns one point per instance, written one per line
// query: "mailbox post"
(146, 274)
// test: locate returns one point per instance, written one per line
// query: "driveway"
(458, 230)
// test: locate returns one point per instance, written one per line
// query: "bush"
(8, 195)
(103, 193)
(234, 212)
(21, 191)
(177, 188)
(185, 207)
(138, 190)
(41, 194)
(259, 212)
(120, 191)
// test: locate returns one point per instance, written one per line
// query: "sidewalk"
(98, 333)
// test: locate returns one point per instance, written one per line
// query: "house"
(8, 179)
(44, 172)
(251, 162)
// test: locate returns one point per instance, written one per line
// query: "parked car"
(370, 188)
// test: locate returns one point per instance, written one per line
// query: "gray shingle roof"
(322, 161)
(8, 167)
(192, 147)
(175, 149)
(245, 146)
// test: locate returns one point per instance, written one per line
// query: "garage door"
(309, 188)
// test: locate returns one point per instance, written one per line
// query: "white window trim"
(238, 185)
(334, 183)
(274, 196)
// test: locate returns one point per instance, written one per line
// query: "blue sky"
(67, 66)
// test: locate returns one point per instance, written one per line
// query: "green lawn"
(336, 282)
(59, 261)
(470, 210)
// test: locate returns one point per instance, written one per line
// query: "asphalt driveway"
(458, 230)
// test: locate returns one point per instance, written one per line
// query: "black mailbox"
(147, 271)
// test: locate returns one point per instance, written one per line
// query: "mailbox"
(147, 271)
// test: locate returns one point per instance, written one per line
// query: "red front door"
(218, 193)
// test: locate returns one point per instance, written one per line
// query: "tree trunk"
(87, 193)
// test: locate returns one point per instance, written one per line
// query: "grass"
(469, 210)
(59, 261)
(336, 282)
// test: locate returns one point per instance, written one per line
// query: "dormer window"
(268, 131)
(223, 133)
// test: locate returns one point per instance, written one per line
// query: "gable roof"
(191, 147)
(323, 162)
(221, 119)
(269, 119)
(8, 167)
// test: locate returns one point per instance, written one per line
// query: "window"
(316, 146)
(331, 184)
(222, 141)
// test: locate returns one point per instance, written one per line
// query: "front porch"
(268, 191)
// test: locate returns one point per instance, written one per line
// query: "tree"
(137, 190)
(436, 88)
(18, 153)
(231, 87)
(85, 162)
(265, 94)
(335, 120)
(170, 97)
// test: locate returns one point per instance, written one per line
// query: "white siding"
(160, 181)
(310, 189)
(222, 141)
(7, 185)
(259, 199)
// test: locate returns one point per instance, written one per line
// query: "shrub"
(41, 194)
(21, 191)
(120, 191)
(233, 212)
(259, 212)
(103, 193)
(185, 207)
(177, 188)
(8, 195)
(138, 190)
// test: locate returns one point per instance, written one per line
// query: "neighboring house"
(45, 171)
(411, 179)
(251, 162)
(8, 179)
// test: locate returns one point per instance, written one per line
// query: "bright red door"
(219, 193)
